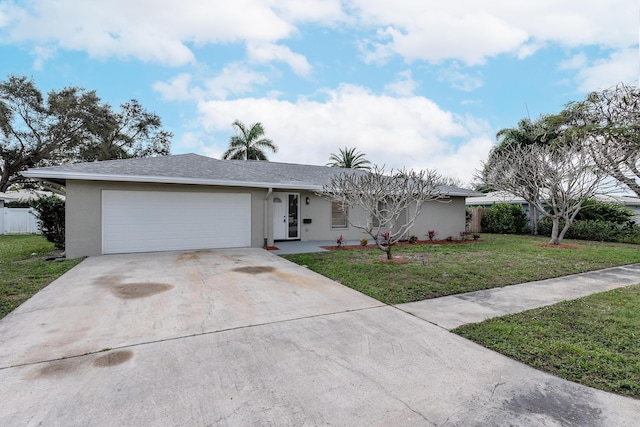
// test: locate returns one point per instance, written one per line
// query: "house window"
(338, 216)
(382, 210)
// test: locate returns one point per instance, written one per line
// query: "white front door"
(286, 212)
(279, 217)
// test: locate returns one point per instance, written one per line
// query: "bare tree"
(384, 201)
(609, 123)
(563, 175)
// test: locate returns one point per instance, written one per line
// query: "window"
(338, 216)
(382, 210)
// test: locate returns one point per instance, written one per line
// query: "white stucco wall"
(84, 215)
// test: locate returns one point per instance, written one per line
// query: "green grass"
(23, 272)
(434, 271)
(592, 340)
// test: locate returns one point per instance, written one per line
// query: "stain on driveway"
(242, 337)
(121, 300)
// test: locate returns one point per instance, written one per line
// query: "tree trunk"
(4, 178)
(388, 251)
(533, 219)
(555, 240)
(567, 225)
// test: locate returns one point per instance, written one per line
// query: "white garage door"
(147, 221)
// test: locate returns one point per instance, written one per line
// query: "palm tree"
(528, 132)
(248, 144)
(349, 158)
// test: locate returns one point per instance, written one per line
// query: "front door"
(286, 208)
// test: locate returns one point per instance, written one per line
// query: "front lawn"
(437, 270)
(592, 340)
(24, 270)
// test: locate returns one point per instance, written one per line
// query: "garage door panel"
(146, 221)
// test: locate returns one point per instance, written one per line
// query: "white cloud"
(177, 89)
(159, 32)
(435, 37)
(269, 52)
(458, 79)
(528, 49)
(472, 31)
(621, 66)
(42, 54)
(404, 85)
(408, 132)
(168, 32)
(234, 79)
(577, 61)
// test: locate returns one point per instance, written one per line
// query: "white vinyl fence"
(18, 221)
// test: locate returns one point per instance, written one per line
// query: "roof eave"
(63, 176)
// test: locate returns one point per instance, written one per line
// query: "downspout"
(266, 217)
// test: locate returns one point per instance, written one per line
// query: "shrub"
(604, 211)
(596, 230)
(18, 204)
(504, 218)
(431, 234)
(413, 239)
(364, 242)
(50, 211)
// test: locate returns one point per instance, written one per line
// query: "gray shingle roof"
(196, 169)
(192, 167)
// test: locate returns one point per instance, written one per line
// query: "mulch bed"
(401, 244)
(272, 248)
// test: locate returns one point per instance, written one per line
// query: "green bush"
(594, 210)
(18, 204)
(504, 218)
(50, 211)
(596, 230)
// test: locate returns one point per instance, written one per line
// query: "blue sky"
(411, 83)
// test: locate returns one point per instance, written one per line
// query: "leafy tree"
(50, 211)
(36, 131)
(608, 122)
(542, 131)
(383, 199)
(349, 158)
(69, 125)
(248, 144)
(132, 132)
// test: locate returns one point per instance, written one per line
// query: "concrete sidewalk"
(456, 310)
(298, 247)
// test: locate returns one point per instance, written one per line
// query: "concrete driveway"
(243, 337)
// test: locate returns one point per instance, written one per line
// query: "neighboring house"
(16, 220)
(28, 195)
(489, 199)
(4, 197)
(189, 201)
